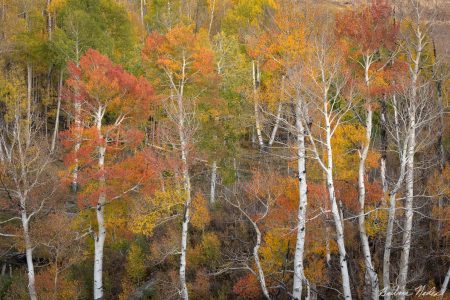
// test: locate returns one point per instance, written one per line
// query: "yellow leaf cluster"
(274, 249)
(347, 140)
(136, 269)
(376, 221)
(200, 213)
(207, 252)
(13, 96)
(318, 247)
(55, 5)
(315, 270)
(150, 212)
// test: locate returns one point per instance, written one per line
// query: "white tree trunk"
(49, 21)
(259, 270)
(77, 107)
(212, 198)
(339, 237)
(387, 247)
(308, 293)
(383, 178)
(384, 145)
(100, 236)
(29, 253)
(187, 189)
(258, 125)
(299, 276)
(277, 124)
(58, 110)
(211, 19)
(370, 269)
(184, 230)
(338, 221)
(328, 169)
(445, 284)
(256, 78)
(29, 96)
(407, 228)
(278, 116)
(261, 277)
(414, 71)
(98, 259)
(392, 206)
(327, 246)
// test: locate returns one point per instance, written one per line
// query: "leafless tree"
(254, 210)
(26, 181)
(415, 98)
(325, 109)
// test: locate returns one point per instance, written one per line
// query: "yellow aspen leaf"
(200, 213)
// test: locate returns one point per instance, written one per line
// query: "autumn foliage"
(100, 86)
(223, 149)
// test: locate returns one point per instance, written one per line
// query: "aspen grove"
(224, 149)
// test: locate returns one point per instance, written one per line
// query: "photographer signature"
(419, 291)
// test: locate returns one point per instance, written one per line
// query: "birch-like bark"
(329, 116)
(182, 130)
(389, 235)
(77, 107)
(256, 81)
(392, 204)
(142, 12)
(371, 274)
(445, 284)
(28, 252)
(328, 168)
(100, 236)
(212, 198)
(299, 276)
(49, 21)
(211, 19)
(278, 116)
(370, 269)
(339, 231)
(388, 246)
(406, 241)
(384, 145)
(58, 110)
(261, 277)
(186, 218)
(49, 83)
(24, 165)
(259, 270)
(277, 124)
(29, 96)
(55, 279)
(327, 246)
(338, 221)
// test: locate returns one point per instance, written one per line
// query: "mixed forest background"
(224, 149)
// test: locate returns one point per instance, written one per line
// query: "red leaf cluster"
(96, 81)
(370, 28)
